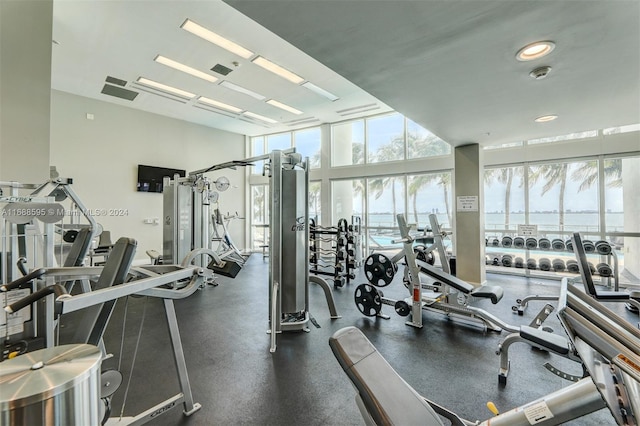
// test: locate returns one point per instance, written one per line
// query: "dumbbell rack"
(340, 266)
(506, 260)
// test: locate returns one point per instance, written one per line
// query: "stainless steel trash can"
(54, 386)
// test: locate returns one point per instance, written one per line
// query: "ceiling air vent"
(221, 69)
(116, 81)
(119, 92)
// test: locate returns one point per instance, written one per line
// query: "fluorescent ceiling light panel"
(184, 68)
(278, 70)
(320, 91)
(166, 88)
(259, 117)
(241, 89)
(216, 39)
(217, 104)
(284, 107)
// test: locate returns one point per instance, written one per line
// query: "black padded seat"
(388, 399)
(492, 292)
(445, 278)
(114, 272)
(550, 341)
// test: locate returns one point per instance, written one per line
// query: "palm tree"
(554, 174)
(504, 176)
(314, 196)
(588, 173)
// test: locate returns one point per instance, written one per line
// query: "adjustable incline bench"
(449, 303)
(608, 346)
(553, 342)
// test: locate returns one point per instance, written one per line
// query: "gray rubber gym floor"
(238, 382)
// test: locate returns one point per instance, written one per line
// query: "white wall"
(102, 155)
(25, 81)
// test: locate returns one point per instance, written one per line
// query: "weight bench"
(494, 293)
(383, 397)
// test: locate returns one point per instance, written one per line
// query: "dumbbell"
(568, 245)
(603, 247)
(496, 261)
(604, 269)
(486, 241)
(592, 268)
(588, 246)
(507, 241)
(532, 264)
(558, 265)
(507, 260)
(572, 266)
(531, 243)
(544, 264)
(518, 242)
(544, 243)
(557, 244)
(518, 262)
(495, 242)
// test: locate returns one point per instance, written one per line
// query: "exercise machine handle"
(56, 289)
(23, 280)
(20, 264)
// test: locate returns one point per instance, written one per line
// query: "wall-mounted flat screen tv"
(150, 177)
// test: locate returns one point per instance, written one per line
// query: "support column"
(25, 89)
(469, 213)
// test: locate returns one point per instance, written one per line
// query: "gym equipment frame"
(159, 281)
(608, 346)
(451, 296)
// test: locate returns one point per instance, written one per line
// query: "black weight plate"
(402, 308)
(367, 300)
(379, 270)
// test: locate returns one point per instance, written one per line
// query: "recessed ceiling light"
(320, 91)
(284, 107)
(216, 39)
(240, 89)
(219, 104)
(278, 70)
(184, 68)
(535, 50)
(166, 88)
(545, 118)
(259, 117)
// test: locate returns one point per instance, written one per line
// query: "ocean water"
(574, 222)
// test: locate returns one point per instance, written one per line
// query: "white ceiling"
(96, 39)
(447, 64)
